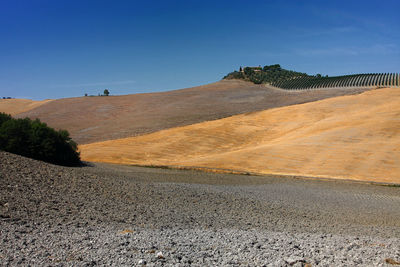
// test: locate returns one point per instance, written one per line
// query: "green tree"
(36, 140)
(248, 71)
(106, 92)
(4, 117)
(257, 78)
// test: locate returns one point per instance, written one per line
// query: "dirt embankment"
(348, 137)
(93, 119)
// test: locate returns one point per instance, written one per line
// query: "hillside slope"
(352, 137)
(91, 119)
(16, 106)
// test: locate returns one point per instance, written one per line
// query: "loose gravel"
(131, 216)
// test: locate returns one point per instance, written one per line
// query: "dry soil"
(111, 215)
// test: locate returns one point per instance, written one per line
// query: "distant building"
(255, 69)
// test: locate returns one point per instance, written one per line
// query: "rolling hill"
(347, 137)
(16, 106)
(93, 119)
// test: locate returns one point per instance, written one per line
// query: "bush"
(34, 139)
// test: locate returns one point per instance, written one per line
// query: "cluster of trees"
(7, 97)
(287, 79)
(267, 74)
(34, 139)
(105, 93)
(354, 80)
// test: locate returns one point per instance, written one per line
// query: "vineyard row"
(356, 80)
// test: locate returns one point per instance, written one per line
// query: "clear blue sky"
(65, 48)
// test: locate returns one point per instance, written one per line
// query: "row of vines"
(357, 80)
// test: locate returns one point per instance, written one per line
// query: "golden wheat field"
(16, 106)
(347, 137)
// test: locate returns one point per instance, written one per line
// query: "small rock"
(142, 262)
(392, 261)
(126, 232)
(160, 255)
(294, 260)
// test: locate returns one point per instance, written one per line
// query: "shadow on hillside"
(86, 164)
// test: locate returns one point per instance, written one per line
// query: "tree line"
(267, 74)
(106, 92)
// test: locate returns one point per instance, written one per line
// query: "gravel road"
(131, 216)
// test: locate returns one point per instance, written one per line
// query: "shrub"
(34, 139)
